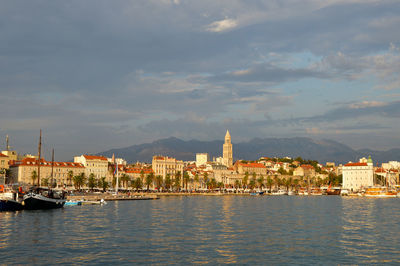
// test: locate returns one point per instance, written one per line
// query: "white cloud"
(222, 25)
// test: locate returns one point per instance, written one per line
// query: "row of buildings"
(223, 170)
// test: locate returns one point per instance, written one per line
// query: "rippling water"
(206, 229)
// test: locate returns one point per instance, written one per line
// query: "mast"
(39, 153)
(52, 167)
(7, 146)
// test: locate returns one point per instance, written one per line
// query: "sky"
(99, 74)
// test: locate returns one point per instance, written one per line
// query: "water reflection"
(214, 230)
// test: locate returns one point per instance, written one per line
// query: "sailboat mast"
(52, 167)
(39, 154)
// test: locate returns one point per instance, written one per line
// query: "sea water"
(210, 230)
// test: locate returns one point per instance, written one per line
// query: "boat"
(291, 193)
(93, 202)
(280, 192)
(380, 192)
(333, 191)
(9, 200)
(316, 192)
(39, 198)
(73, 203)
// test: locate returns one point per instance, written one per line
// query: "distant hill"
(320, 150)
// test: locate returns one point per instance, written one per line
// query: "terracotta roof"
(356, 164)
(34, 161)
(2, 155)
(253, 165)
(138, 170)
(307, 166)
(95, 157)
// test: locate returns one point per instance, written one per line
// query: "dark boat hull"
(10, 205)
(333, 192)
(39, 202)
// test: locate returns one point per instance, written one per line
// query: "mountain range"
(307, 148)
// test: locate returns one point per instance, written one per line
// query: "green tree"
(92, 182)
(45, 182)
(70, 176)
(270, 182)
(125, 180)
(159, 182)
(277, 181)
(138, 184)
(196, 178)
(177, 180)
(34, 176)
(102, 183)
(205, 179)
(79, 181)
(260, 181)
(168, 181)
(245, 180)
(186, 178)
(149, 180)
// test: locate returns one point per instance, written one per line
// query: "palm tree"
(70, 175)
(149, 180)
(245, 180)
(34, 176)
(79, 180)
(45, 182)
(277, 181)
(137, 184)
(159, 182)
(186, 178)
(103, 183)
(177, 180)
(270, 182)
(260, 181)
(196, 178)
(168, 181)
(205, 179)
(92, 182)
(125, 180)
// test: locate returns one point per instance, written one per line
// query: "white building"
(163, 165)
(201, 159)
(358, 175)
(97, 165)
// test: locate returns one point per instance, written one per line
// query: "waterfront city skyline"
(96, 75)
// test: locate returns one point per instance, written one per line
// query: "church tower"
(227, 154)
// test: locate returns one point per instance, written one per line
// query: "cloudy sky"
(101, 74)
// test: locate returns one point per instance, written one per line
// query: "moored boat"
(380, 192)
(9, 200)
(43, 198)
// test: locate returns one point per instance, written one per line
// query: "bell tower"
(227, 154)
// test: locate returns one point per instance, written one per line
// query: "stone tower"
(227, 154)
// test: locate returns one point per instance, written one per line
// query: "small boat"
(333, 191)
(257, 193)
(316, 192)
(380, 192)
(291, 193)
(93, 202)
(73, 203)
(280, 192)
(9, 200)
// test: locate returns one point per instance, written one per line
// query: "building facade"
(21, 172)
(202, 159)
(227, 153)
(97, 165)
(357, 176)
(163, 165)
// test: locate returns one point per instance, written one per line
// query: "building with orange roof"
(21, 171)
(258, 168)
(94, 164)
